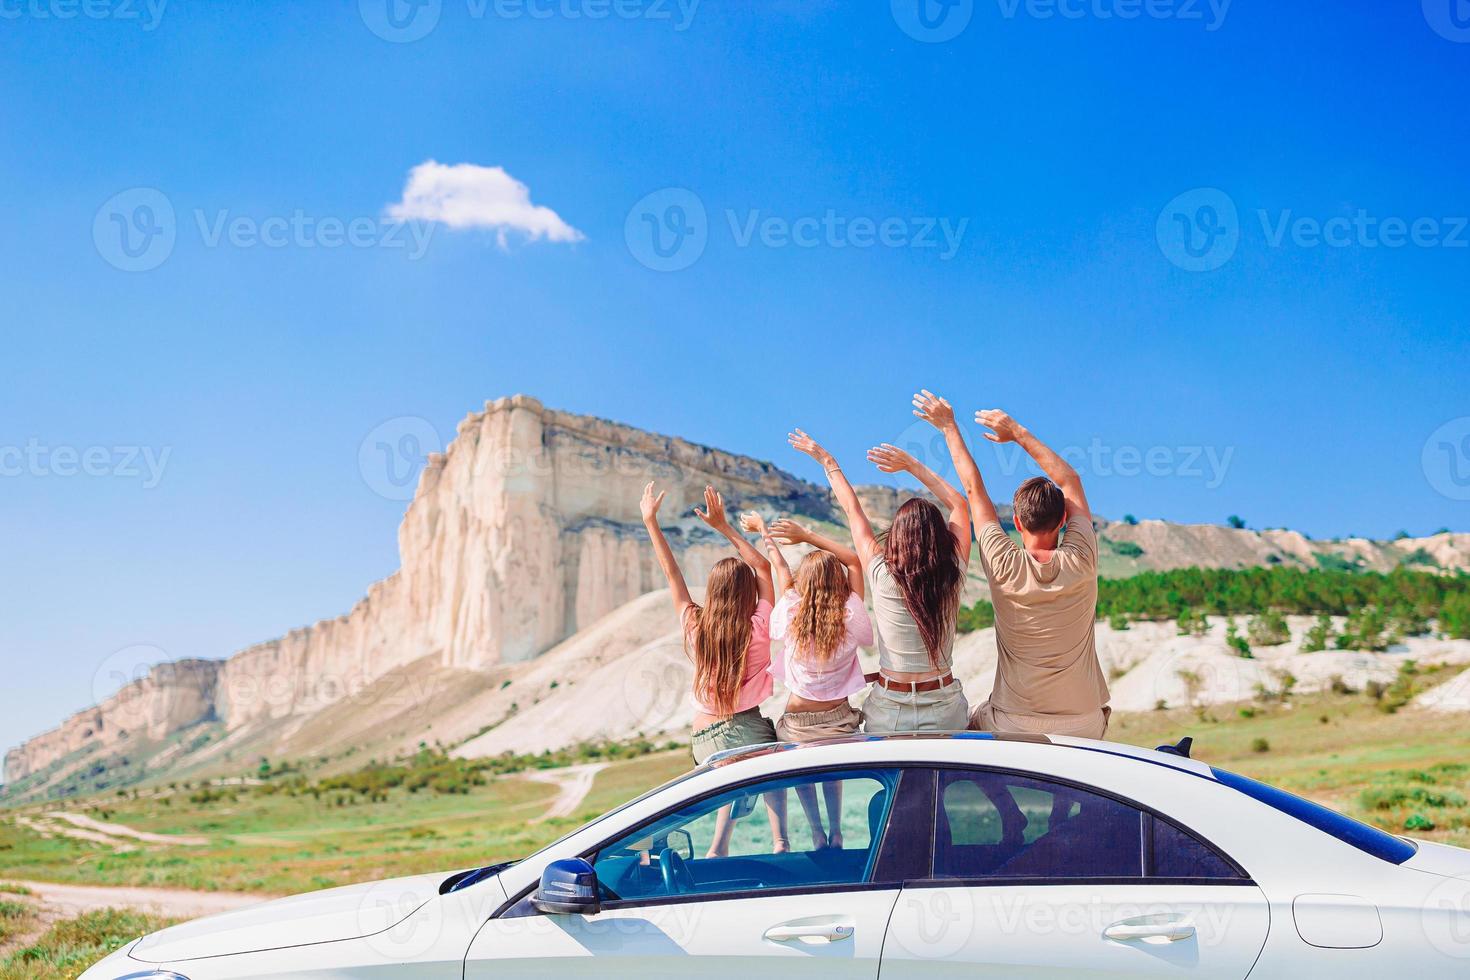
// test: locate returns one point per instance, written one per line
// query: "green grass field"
(1404, 771)
(69, 946)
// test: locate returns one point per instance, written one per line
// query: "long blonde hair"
(719, 633)
(820, 623)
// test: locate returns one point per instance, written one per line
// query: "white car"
(960, 855)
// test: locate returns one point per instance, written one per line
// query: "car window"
(1178, 854)
(1002, 825)
(1368, 839)
(818, 829)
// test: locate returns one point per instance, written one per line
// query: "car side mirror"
(568, 887)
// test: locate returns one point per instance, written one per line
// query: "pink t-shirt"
(757, 685)
(837, 677)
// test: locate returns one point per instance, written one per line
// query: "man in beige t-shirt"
(1047, 676)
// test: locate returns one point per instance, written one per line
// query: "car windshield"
(1368, 839)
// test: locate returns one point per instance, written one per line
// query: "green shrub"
(1268, 629)
(1319, 635)
(1126, 549)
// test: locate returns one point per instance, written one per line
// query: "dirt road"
(575, 783)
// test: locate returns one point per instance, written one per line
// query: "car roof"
(1165, 756)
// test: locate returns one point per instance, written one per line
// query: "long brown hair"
(719, 632)
(820, 623)
(923, 556)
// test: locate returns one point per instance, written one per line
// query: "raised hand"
(714, 510)
(1006, 428)
(891, 459)
(787, 531)
(933, 409)
(753, 523)
(650, 503)
(804, 443)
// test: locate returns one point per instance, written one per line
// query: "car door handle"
(829, 932)
(1168, 931)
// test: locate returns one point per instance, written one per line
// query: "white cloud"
(466, 195)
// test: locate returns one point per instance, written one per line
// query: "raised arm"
(863, 539)
(1058, 470)
(891, 459)
(791, 532)
(940, 414)
(753, 523)
(649, 506)
(714, 515)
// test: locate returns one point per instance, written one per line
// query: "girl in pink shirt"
(821, 618)
(729, 641)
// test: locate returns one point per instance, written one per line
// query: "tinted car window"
(1001, 825)
(1393, 849)
(733, 842)
(1177, 854)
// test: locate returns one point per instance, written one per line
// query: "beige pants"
(809, 726)
(988, 718)
(944, 710)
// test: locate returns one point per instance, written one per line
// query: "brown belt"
(912, 687)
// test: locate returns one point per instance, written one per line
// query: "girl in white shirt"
(821, 618)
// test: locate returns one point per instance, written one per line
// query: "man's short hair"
(1039, 505)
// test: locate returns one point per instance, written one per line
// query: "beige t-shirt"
(1044, 623)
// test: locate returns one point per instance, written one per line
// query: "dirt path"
(575, 783)
(174, 903)
(84, 822)
(55, 902)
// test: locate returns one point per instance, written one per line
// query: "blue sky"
(1325, 380)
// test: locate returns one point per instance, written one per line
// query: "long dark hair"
(922, 553)
(720, 631)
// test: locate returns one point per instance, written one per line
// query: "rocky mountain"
(524, 571)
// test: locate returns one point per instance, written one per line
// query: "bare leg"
(807, 794)
(776, 808)
(833, 793)
(720, 846)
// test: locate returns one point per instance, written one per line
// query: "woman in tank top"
(915, 575)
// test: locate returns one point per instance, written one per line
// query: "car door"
(676, 902)
(1035, 877)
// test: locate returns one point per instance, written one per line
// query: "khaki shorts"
(944, 710)
(749, 727)
(989, 718)
(809, 726)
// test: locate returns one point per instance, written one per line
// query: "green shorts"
(749, 727)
